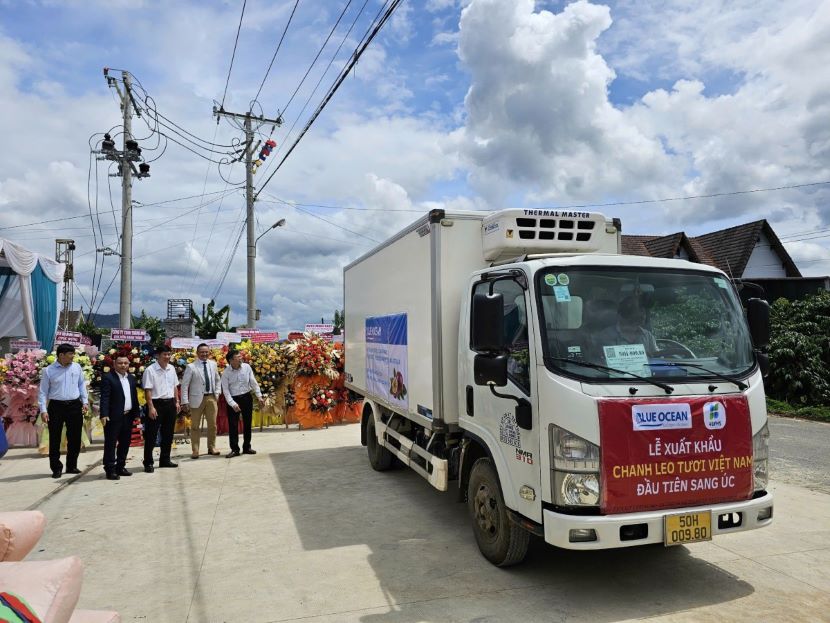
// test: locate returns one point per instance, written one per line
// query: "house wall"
(682, 254)
(764, 261)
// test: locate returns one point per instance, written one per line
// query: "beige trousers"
(207, 410)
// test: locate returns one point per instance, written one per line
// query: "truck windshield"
(603, 323)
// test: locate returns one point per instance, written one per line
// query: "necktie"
(207, 380)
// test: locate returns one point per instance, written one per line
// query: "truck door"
(515, 451)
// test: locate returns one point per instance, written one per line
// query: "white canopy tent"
(28, 293)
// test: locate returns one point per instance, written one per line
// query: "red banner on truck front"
(674, 453)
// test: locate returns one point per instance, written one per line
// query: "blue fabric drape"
(45, 302)
(6, 275)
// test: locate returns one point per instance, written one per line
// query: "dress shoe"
(113, 476)
(232, 454)
(194, 456)
(74, 470)
(56, 474)
(149, 469)
(123, 471)
(168, 464)
(249, 451)
(214, 453)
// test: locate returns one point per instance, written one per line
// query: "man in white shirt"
(119, 409)
(63, 400)
(200, 392)
(237, 384)
(159, 382)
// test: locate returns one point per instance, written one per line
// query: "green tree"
(339, 321)
(153, 326)
(88, 328)
(799, 350)
(212, 320)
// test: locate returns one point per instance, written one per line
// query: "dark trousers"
(64, 412)
(246, 405)
(117, 432)
(166, 422)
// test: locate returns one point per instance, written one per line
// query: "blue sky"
(479, 104)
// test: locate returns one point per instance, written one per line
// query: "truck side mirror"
(490, 369)
(486, 322)
(757, 314)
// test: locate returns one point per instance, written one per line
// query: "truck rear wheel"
(501, 542)
(379, 457)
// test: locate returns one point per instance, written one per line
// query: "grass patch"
(785, 409)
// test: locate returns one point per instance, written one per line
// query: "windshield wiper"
(741, 385)
(666, 388)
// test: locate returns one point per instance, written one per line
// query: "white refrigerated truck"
(594, 399)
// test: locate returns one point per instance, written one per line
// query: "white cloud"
(538, 114)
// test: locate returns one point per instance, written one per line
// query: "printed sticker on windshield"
(563, 279)
(550, 280)
(721, 283)
(562, 294)
(628, 358)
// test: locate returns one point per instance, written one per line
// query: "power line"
(319, 81)
(233, 55)
(228, 265)
(325, 43)
(329, 207)
(333, 89)
(279, 45)
(710, 196)
(351, 231)
(85, 214)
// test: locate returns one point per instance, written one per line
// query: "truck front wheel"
(502, 542)
(379, 457)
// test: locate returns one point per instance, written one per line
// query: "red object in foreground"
(672, 453)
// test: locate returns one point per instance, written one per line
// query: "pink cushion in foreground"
(50, 587)
(19, 533)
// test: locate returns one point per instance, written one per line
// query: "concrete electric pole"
(126, 160)
(125, 306)
(248, 120)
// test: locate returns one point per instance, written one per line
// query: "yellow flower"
(106, 368)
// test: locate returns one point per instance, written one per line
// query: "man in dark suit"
(119, 408)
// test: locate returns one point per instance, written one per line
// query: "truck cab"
(603, 400)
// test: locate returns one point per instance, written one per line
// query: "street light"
(252, 317)
(279, 223)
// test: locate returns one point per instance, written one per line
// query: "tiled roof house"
(749, 251)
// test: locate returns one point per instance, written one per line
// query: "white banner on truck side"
(387, 375)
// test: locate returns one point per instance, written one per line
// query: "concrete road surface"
(306, 531)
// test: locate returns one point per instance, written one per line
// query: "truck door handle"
(470, 408)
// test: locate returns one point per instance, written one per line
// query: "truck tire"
(501, 541)
(379, 457)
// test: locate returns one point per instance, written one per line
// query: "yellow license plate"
(687, 528)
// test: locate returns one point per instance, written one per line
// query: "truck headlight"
(572, 452)
(760, 458)
(577, 489)
(575, 473)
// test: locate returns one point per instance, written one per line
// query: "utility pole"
(248, 120)
(64, 252)
(125, 307)
(126, 160)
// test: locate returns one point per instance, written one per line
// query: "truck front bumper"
(643, 528)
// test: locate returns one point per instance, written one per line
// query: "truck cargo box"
(402, 311)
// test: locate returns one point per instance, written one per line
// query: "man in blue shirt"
(63, 400)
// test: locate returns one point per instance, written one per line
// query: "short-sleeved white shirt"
(162, 382)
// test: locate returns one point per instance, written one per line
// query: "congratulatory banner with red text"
(674, 453)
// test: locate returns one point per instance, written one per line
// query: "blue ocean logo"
(661, 416)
